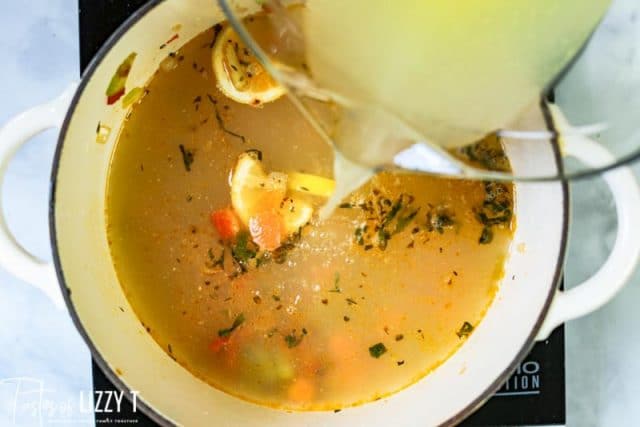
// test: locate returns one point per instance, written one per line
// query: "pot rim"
(152, 412)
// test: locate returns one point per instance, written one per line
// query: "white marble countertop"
(40, 346)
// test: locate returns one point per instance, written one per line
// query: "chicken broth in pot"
(214, 234)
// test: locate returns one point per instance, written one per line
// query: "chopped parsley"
(377, 350)
(385, 218)
(225, 333)
(465, 330)
(487, 154)
(495, 211)
(243, 249)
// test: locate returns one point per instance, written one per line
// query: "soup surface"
(336, 313)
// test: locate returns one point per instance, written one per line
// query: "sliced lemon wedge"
(296, 213)
(240, 75)
(254, 192)
(252, 189)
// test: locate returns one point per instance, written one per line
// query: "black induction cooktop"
(533, 395)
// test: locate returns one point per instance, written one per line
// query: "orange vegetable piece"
(342, 347)
(226, 222)
(302, 390)
(267, 229)
(218, 344)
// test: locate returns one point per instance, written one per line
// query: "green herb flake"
(403, 221)
(495, 210)
(465, 330)
(213, 261)
(359, 235)
(383, 238)
(486, 236)
(187, 157)
(336, 284)
(292, 340)
(224, 127)
(439, 220)
(241, 251)
(225, 333)
(393, 212)
(280, 254)
(377, 350)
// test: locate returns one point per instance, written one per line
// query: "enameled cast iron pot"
(527, 308)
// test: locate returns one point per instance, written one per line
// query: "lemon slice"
(254, 192)
(296, 213)
(311, 184)
(240, 76)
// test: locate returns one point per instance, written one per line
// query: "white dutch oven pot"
(527, 307)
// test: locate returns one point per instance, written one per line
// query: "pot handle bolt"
(18, 130)
(597, 290)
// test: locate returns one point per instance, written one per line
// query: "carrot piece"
(218, 344)
(226, 222)
(267, 229)
(302, 390)
(342, 347)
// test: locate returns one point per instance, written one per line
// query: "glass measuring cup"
(392, 142)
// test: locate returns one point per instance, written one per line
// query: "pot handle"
(620, 265)
(13, 257)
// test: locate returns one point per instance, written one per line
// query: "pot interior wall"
(121, 343)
